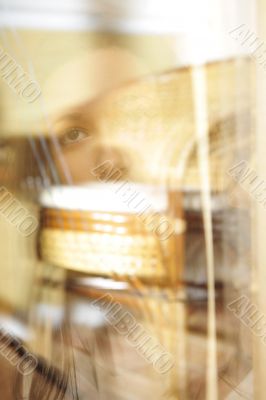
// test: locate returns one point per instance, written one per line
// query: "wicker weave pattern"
(102, 254)
(106, 244)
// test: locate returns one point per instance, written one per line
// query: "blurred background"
(163, 99)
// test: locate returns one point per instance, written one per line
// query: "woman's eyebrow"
(67, 118)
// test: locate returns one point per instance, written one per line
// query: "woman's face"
(77, 148)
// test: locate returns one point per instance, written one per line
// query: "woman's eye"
(73, 136)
